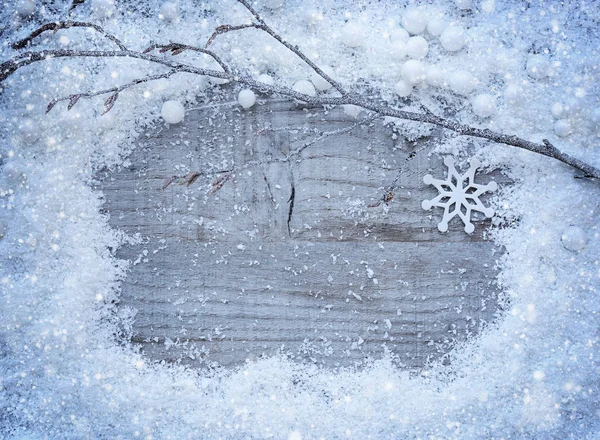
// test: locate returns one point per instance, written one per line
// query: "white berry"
(266, 79)
(305, 87)
(435, 76)
(319, 82)
(417, 47)
(574, 238)
(403, 88)
(436, 26)
(172, 112)
(462, 82)
(246, 98)
(557, 110)
(562, 127)
(413, 72)
(414, 21)
(453, 38)
(484, 105)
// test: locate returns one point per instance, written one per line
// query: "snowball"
(218, 81)
(399, 35)
(557, 110)
(562, 127)
(435, 76)
(305, 87)
(14, 171)
(103, 8)
(26, 8)
(513, 94)
(266, 79)
(413, 72)
(574, 238)
(595, 116)
(462, 82)
(538, 66)
(246, 98)
(403, 88)
(488, 6)
(169, 11)
(484, 105)
(353, 34)
(463, 4)
(319, 82)
(453, 38)
(414, 21)
(417, 47)
(436, 26)
(172, 112)
(29, 129)
(272, 4)
(352, 110)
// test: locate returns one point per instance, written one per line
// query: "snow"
(436, 26)
(462, 82)
(305, 87)
(463, 4)
(266, 79)
(169, 11)
(319, 82)
(453, 38)
(532, 373)
(574, 238)
(414, 20)
(172, 112)
(103, 8)
(484, 105)
(246, 98)
(25, 8)
(562, 127)
(557, 110)
(403, 88)
(417, 47)
(413, 72)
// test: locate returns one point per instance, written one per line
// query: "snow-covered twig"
(177, 48)
(56, 26)
(380, 108)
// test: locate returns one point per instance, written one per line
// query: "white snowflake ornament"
(459, 195)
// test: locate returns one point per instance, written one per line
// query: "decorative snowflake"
(459, 195)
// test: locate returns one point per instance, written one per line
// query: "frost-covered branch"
(177, 48)
(379, 108)
(56, 26)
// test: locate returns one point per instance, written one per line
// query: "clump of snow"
(266, 79)
(453, 38)
(246, 98)
(305, 87)
(538, 66)
(436, 26)
(484, 105)
(26, 8)
(462, 82)
(557, 110)
(414, 20)
(172, 112)
(562, 127)
(103, 8)
(169, 11)
(319, 82)
(413, 72)
(574, 238)
(417, 47)
(435, 76)
(399, 35)
(463, 4)
(403, 88)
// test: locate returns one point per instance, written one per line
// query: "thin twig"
(224, 28)
(177, 48)
(114, 90)
(56, 26)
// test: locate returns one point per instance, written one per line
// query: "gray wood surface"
(233, 273)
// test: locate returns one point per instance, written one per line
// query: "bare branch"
(66, 25)
(224, 28)
(294, 49)
(177, 48)
(114, 91)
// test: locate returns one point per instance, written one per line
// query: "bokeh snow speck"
(64, 371)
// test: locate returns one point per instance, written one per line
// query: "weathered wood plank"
(287, 256)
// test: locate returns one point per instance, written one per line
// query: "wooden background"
(234, 272)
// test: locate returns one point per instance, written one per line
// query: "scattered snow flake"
(458, 195)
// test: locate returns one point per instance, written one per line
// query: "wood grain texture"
(287, 256)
